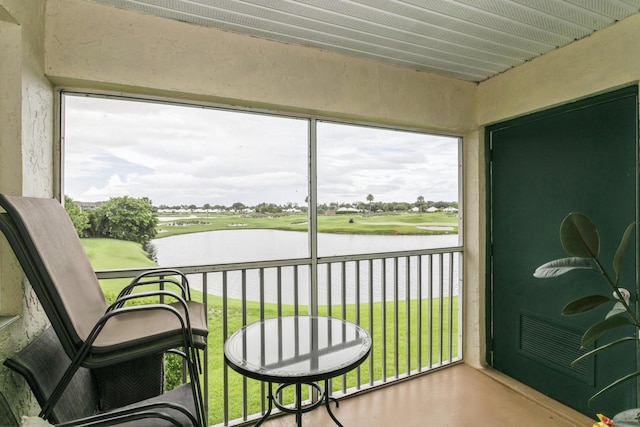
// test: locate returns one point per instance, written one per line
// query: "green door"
(576, 158)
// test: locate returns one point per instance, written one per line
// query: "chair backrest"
(48, 247)
(42, 363)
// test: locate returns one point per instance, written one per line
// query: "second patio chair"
(93, 333)
(43, 362)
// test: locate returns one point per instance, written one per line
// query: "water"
(230, 246)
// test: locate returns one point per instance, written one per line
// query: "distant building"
(347, 210)
(88, 206)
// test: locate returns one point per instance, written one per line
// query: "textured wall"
(26, 167)
(608, 59)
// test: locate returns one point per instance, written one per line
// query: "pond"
(232, 246)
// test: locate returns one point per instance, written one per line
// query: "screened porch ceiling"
(465, 39)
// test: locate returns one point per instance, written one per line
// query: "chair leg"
(196, 387)
(191, 355)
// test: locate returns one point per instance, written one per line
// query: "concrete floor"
(457, 396)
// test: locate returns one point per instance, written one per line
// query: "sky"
(188, 155)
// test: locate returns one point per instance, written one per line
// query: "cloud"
(177, 154)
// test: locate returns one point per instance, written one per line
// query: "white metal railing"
(410, 302)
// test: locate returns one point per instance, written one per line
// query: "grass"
(107, 254)
(235, 390)
(387, 224)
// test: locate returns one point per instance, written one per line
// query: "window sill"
(7, 320)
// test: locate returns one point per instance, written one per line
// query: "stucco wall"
(26, 167)
(608, 59)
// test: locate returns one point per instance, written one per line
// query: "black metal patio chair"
(92, 333)
(44, 362)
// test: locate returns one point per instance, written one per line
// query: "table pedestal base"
(299, 409)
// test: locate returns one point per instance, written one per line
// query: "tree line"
(136, 219)
(272, 208)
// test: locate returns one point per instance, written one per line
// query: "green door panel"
(576, 158)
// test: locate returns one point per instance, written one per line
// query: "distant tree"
(125, 218)
(441, 204)
(79, 219)
(420, 203)
(237, 206)
(402, 206)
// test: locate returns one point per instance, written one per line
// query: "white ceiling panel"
(465, 39)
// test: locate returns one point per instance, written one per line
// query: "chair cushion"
(180, 395)
(47, 230)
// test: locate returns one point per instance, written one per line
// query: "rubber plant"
(581, 241)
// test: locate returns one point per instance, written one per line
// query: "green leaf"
(618, 308)
(615, 384)
(596, 331)
(602, 348)
(584, 304)
(622, 250)
(579, 236)
(560, 266)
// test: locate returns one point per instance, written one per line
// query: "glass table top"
(296, 349)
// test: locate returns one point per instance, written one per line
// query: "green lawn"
(216, 362)
(107, 253)
(394, 224)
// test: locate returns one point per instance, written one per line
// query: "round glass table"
(297, 350)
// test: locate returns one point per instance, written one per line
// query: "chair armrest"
(121, 300)
(119, 416)
(158, 277)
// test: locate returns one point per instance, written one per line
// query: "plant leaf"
(602, 348)
(596, 331)
(560, 266)
(622, 250)
(584, 304)
(579, 236)
(618, 308)
(615, 384)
